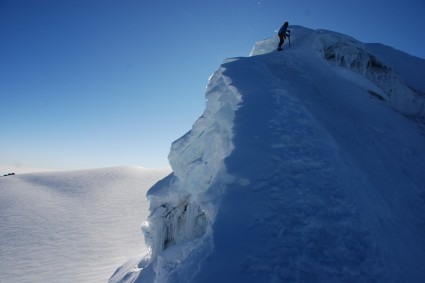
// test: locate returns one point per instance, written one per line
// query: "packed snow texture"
(306, 166)
(75, 226)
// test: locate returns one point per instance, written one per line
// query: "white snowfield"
(72, 226)
(306, 166)
(19, 169)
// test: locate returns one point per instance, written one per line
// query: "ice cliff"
(306, 166)
(184, 204)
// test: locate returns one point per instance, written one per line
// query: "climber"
(283, 33)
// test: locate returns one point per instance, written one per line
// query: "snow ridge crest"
(346, 52)
(327, 75)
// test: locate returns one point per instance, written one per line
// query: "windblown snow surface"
(72, 226)
(308, 165)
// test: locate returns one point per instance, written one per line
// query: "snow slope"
(17, 169)
(306, 166)
(74, 226)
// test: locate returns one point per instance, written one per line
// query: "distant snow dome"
(72, 226)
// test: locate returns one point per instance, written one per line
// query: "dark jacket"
(283, 31)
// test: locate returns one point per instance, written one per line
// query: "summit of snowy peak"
(390, 75)
(298, 33)
(299, 170)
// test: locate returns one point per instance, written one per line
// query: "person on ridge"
(282, 33)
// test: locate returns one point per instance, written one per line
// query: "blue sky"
(91, 83)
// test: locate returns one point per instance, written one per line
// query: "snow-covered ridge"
(347, 52)
(295, 172)
(353, 55)
(182, 209)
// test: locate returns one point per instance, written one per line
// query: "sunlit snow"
(72, 226)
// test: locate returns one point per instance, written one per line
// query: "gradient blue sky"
(94, 83)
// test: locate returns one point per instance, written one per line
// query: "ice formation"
(353, 55)
(299, 170)
(183, 205)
